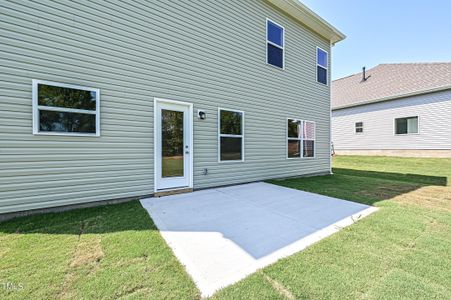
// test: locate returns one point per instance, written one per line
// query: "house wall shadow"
(406, 177)
(129, 216)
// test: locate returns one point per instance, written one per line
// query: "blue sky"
(383, 31)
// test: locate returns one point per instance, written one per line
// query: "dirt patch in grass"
(88, 252)
(431, 197)
(283, 291)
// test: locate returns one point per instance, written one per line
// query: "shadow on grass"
(122, 217)
(367, 187)
(412, 178)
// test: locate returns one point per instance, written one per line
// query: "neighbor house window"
(359, 127)
(406, 125)
(275, 44)
(62, 109)
(322, 64)
(300, 138)
(231, 138)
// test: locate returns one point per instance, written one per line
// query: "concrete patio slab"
(222, 235)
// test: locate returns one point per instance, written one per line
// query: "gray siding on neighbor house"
(209, 53)
(433, 110)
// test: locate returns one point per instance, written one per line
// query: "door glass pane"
(172, 143)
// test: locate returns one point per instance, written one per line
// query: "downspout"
(330, 110)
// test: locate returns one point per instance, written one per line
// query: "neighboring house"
(394, 110)
(114, 100)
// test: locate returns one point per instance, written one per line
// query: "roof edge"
(395, 97)
(305, 15)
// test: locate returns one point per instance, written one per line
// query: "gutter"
(395, 97)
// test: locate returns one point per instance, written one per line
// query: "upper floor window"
(275, 44)
(407, 125)
(300, 138)
(322, 66)
(231, 137)
(62, 109)
(359, 127)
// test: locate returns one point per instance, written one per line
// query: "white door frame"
(156, 141)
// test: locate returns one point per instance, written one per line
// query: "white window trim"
(355, 127)
(404, 134)
(318, 65)
(301, 139)
(230, 135)
(275, 45)
(37, 107)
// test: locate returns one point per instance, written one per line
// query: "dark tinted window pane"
(65, 97)
(359, 130)
(294, 148)
(322, 58)
(309, 149)
(231, 148)
(275, 56)
(359, 124)
(322, 75)
(231, 122)
(275, 34)
(401, 126)
(293, 128)
(172, 143)
(54, 121)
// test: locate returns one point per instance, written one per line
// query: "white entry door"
(173, 143)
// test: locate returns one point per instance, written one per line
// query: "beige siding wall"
(209, 53)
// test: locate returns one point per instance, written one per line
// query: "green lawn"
(401, 252)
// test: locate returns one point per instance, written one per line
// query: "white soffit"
(310, 19)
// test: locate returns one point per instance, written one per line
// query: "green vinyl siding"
(209, 53)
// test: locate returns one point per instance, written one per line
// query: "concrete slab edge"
(208, 289)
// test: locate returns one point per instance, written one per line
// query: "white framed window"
(408, 125)
(301, 136)
(230, 135)
(322, 66)
(359, 127)
(63, 109)
(275, 44)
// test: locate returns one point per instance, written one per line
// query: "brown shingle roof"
(390, 81)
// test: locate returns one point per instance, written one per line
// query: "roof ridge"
(358, 73)
(418, 63)
(390, 81)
